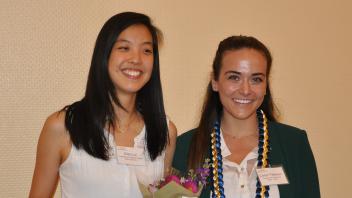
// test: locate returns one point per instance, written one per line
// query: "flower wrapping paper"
(169, 190)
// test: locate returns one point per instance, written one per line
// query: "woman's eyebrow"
(233, 72)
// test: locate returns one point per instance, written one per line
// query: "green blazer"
(290, 149)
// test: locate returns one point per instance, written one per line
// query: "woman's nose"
(135, 57)
(245, 88)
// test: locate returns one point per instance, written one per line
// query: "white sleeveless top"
(83, 175)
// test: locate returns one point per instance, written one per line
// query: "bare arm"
(52, 149)
(170, 149)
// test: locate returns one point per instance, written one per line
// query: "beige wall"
(46, 47)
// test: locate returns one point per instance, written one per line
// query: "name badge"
(130, 156)
(272, 175)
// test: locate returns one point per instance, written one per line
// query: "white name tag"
(130, 156)
(272, 175)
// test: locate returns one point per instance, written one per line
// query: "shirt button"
(242, 186)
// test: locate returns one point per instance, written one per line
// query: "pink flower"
(191, 185)
(169, 179)
(172, 178)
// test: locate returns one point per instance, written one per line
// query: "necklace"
(127, 126)
(216, 157)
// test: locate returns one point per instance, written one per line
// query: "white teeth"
(133, 73)
(242, 101)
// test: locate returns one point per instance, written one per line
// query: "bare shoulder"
(55, 125)
(170, 148)
(172, 130)
(54, 133)
(52, 149)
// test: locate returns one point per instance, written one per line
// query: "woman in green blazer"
(239, 133)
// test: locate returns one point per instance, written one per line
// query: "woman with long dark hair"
(252, 154)
(118, 135)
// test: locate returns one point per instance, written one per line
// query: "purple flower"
(202, 174)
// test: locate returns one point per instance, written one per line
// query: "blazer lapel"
(276, 157)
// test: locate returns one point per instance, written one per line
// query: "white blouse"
(83, 175)
(240, 179)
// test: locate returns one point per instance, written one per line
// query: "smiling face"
(241, 83)
(131, 59)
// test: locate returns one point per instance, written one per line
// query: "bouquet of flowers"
(174, 185)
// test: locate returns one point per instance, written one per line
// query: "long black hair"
(212, 107)
(86, 119)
